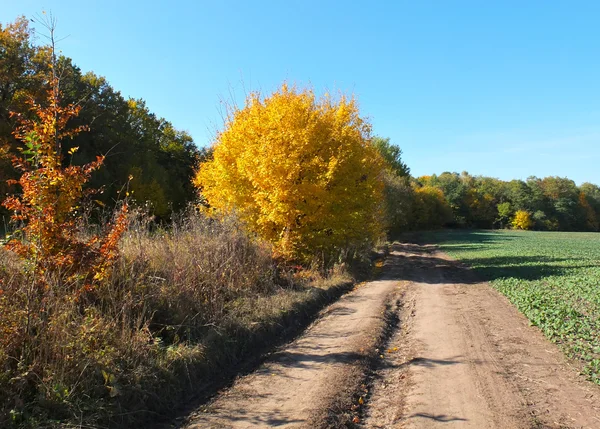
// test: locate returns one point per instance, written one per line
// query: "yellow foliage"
(522, 220)
(431, 208)
(424, 180)
(299, 171)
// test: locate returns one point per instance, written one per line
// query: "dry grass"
(181, 305)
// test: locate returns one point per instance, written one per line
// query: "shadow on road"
(268, 420)
(305, 360)
(431, 363)
(414, 262)
(438, 417)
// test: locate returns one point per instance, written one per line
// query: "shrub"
(47, 210)
(300, 172)
(177, 305)
(522, 220)
(46, 316)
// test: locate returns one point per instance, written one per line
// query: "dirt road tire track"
(467, 358)
(313, 381)
(462, 356)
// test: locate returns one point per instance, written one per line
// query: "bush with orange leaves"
(52, 277)
(48, 208)
(300, 172)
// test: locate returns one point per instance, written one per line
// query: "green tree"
(455, 191)
(392, 154)
(520, 195)
(400, 201)
(505, 213)
(126, 131)
(563, 197)
(591, 194)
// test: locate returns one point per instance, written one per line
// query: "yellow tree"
(431, 209)
(300, 171)
(522, 220)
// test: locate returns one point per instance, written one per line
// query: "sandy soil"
(311, 380)
(461, 356)
(467, 358)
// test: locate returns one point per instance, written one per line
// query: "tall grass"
(179, 306)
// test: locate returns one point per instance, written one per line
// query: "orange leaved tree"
(300, 171)
(47, 210)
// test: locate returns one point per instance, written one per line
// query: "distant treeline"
(160, 159)
(462, 200)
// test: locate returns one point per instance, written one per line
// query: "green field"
(552, 277)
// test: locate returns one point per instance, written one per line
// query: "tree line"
(462, 200)
(160, 159)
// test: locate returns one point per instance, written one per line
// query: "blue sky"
(505, 89)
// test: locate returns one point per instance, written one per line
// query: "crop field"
(552, 277)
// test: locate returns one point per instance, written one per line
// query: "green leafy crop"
(552, 277)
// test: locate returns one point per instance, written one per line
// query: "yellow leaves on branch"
(299, 171)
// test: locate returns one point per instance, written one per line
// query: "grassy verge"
(552, 277)
(181, 311)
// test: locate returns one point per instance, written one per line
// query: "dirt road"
(460, 356)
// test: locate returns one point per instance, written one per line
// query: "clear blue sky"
(506, 89)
